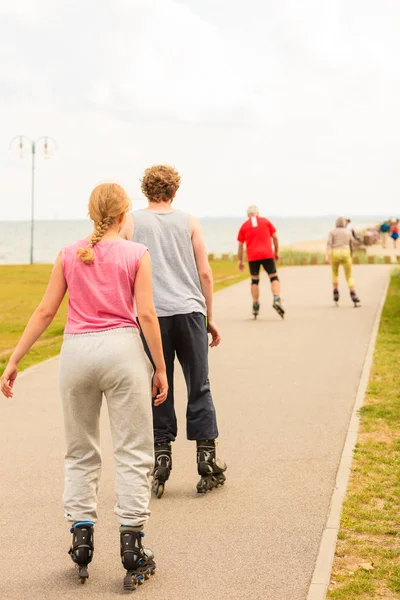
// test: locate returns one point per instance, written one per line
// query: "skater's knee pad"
(274, 278)
(254, 281)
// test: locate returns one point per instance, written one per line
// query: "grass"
(291, 257)
(297, 257)
(21, 290)
(226, 273)
(367, 560)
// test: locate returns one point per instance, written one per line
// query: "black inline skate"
(82, 547)
(277, 305)
(336, 296)
(355, 299)
(210, 468)
(137, 560)
(256, 309)
(162, 467)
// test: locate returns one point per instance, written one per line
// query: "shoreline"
(311, 246)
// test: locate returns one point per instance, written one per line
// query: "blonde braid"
(86, 254)
(107, 203)
(101, 228)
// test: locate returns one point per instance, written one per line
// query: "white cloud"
(294, 104)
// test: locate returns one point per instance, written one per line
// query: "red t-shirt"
(257, 233)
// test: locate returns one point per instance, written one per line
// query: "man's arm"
(329, 248)
(127, 230)
(276, 245)
(205, 275)
(240, 256)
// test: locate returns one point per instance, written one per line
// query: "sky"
(294, 106)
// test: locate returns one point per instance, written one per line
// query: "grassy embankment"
(367, 561)
(295, 257)
(21, 289)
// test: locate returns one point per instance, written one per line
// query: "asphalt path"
(284, 391)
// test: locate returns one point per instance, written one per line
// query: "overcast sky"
(293, 105)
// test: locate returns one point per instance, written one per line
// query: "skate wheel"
(129, 583)
(140, 580)
(160, 491)
(83, 573)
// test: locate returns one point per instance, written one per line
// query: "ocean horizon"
(220, 234)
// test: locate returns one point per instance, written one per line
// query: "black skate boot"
(355, 299)
(277, 305)
(137, 560)
(82, 547)
(336, 296)
(162, 467)
(210, 468)
(256, 309)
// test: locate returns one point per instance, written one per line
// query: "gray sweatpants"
(112, 363)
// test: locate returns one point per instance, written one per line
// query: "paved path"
(284, 392)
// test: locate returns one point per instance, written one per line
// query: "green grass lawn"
(367, 561)
(226, 273)
(21, 289)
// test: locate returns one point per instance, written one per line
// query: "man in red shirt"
(262, 246)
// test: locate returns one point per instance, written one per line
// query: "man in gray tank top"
(183, 298)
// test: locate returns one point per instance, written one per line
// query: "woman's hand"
(160, 387)
(327, 259)
(8, 378)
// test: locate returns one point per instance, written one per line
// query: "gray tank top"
(176, 284)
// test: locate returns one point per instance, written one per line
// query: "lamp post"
(48, 144)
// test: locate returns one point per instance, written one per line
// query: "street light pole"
(33, 145)
(33, 200)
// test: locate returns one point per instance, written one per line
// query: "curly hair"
(160, 183)
(107, 202)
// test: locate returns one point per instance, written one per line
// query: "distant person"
(394, 232)
(183, 297)
(259, 237)
(384, 232)
(102, 353)
(338, 252)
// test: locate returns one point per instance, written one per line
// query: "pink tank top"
(101, 294)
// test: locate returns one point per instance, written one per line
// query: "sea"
(220, 235)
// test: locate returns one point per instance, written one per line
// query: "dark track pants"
(186, 336)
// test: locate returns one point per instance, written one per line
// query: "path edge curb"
(37, 366)
(323, 568)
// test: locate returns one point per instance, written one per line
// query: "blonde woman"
(102, 353)
(338, 252)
